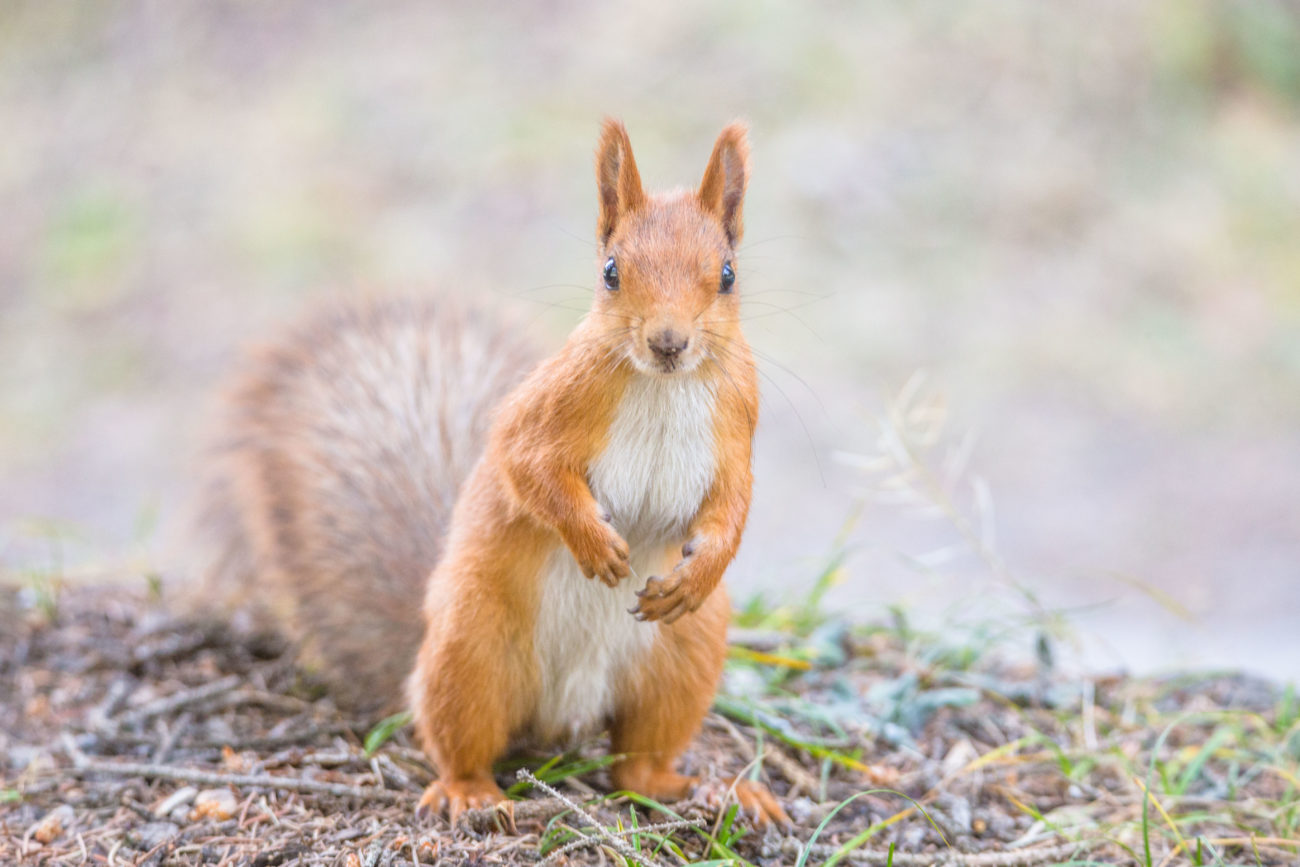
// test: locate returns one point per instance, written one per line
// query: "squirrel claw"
(453, 797)
(667, 600)
(757, 803)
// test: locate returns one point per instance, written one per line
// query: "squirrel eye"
(611, 275)
(728, 278)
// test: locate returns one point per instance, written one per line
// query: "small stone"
(52, 826)
(152, 834)
(959, 813)
(216, 805)
(182, 797)
(22, 756)
(217, 729)
(962, 753)
(913, 837)
(801, 808)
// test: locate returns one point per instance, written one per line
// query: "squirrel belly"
(655, 470)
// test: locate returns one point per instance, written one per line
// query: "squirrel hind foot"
(757, 803)
(450, 798)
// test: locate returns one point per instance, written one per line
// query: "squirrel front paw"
(669, 598)
(601, 553)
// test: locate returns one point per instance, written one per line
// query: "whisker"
(586, 242)
(770, 360)
(816, 296)
(739, 395)
(751, 245)
(518, 292)
(564, 304)
(730, 354)
(787, 310)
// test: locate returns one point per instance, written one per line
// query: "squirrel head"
(667, 296)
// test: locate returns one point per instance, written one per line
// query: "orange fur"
(615, 476)
(476, 686)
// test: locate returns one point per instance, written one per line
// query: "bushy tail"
(338, 459)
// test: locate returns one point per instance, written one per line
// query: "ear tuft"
(617, 178)
(722, 191)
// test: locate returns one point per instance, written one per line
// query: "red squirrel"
(577, 579)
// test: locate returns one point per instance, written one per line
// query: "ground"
(130, 735)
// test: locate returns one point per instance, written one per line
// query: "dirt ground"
(131, 736)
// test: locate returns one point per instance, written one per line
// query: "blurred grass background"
(1083, 221)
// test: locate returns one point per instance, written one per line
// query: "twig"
(302, 735)
(177, 700)
(799, 778)
(268, 700)
(660, 828)
(793, 849)
(536, 810)
(83, 765)
(381, 764)
(601, 837)
(171, 647)
(539, 810)
(118, 691)
(170, 736)
(372, 854)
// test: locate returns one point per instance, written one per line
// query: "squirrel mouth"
(676, 365)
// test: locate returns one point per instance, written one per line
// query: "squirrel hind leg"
(662, 708)
(655, 778)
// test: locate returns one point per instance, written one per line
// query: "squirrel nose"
(668, 343)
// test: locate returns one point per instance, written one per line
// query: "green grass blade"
(1193, 769)
(845, 850)
(807, 848)
(387, 727)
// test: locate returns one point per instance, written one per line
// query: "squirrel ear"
(616, 177)
(722, 192)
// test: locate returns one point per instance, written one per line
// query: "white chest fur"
(656, 469)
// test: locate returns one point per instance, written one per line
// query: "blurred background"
(1080, 222)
